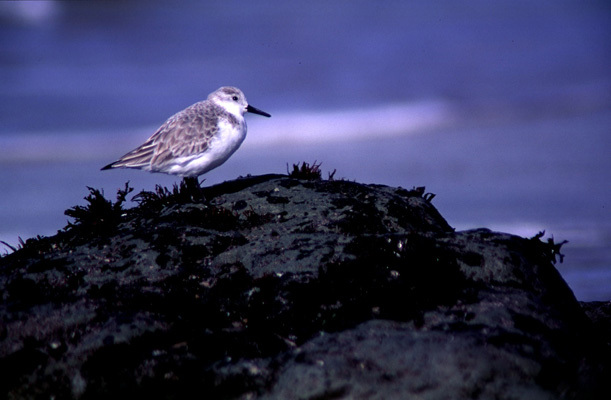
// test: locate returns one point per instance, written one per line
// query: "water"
(503, 111)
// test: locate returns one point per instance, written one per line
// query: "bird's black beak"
(253, 110)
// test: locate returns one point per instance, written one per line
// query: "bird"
(195, 140)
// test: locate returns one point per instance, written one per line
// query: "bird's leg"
(192, 187)
(190, 182)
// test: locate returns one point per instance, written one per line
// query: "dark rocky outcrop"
(276, 287)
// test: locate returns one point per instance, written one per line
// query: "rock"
(275, 287)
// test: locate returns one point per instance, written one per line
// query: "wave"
(396, 119)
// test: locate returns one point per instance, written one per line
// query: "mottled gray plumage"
(196, 139)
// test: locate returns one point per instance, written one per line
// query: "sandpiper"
(195, 140)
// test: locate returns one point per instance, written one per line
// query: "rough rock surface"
(279, 288)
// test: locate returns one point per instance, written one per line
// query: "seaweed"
(306, 171)
(100, 217)
(188, 191)
(550, 249)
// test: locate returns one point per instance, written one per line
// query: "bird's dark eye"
(235, 98)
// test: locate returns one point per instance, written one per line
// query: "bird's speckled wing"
(184, 134)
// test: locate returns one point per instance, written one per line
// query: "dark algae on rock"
(291, 287)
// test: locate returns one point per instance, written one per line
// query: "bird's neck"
(233, 109)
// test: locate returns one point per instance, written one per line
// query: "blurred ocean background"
(502, 109)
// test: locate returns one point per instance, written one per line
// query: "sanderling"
(195, 140)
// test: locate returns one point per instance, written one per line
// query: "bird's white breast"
(227, 140)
